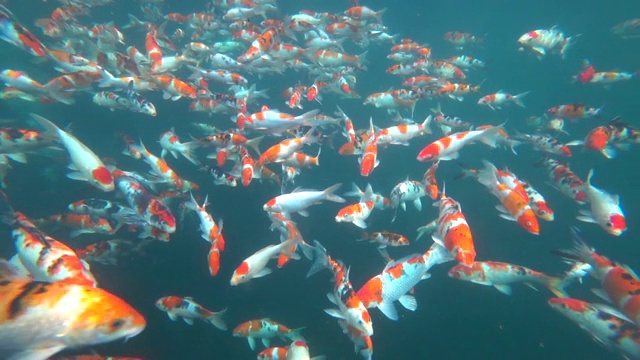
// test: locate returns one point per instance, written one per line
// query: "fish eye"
(116, 324)
(609, 224)
(543, 212)
(529, 223)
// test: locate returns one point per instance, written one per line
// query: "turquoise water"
(454, 320)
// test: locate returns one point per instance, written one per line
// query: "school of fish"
(218, 64)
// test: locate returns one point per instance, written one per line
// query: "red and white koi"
(514, 206)
(398, 278)
(537, 202)
(430, 182)
(86, 164)
(255, 266)
(547, 144)
(170, 143)
(497, 100)
(448, 147)
(350, 307)
(620, 284)
(603, 323)
(15, 34)
(284, 149)
(453, 232)
(402, 134)
(358, 213)
(501, 275)
(542, 41)
(187, 309)
(275, 121)
(604, 209)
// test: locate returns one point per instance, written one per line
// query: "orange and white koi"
(150, 208)
(620, 284)
(429, 180)
(170, 143)
(460, 39)
(369, 159)
(36, 313)
(547, 144)
(81, 223)
(261, 45)
(358, 213)
(255, 266)
(247, 162)
(363, 345)
(542, 41)
(453, 232)
(514, 206)
(15, 34)
(497, 100)
(609, 138)
(111, 251)
(538, 203)
(448, 147)
(402, 134)
(187, 309)
(173, 88)
(574, 111)
(161, 169)
(350, 307)
(603, 323)
(604, 209)
(501, 275)
(265, 329)
(87, 165)
(284, 149)
(380, 202)
(210, 231)
(398, 278)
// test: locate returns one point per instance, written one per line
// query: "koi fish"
(605, 325)
(447, 148)
(495, 101)
(350, 307)
(265, 329)
(452, 231)
(299, 200)
(15, 34)
(542, 41)
(171, 144)
(255, 265)
(620, 284)
(514, 206)
(36, 313)
(398, 278)
(86, 165)
(604, 209)
(187, 309)
(502, 275)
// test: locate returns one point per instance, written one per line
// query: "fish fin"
(609, 152)
(403, 206)
(586, 216)
(612, 311)
(334, 313)
(35, 354)
(262, 273)
(417, 203)
(304, 213)
(295, 334)
(505, 289)
(266, 342)
(329, 193)
(188, 321)
(409, 302)
(507, 217)
(19, 157)
(321, 261)
(388, 309)
(252, 342)
(601, 294)
(437, 240)
(360, 223)
(332, 298)
(216, 319)
(557, 285)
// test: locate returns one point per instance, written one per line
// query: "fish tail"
(580, 252)
(329, 194)
(296, 334)
(517, 99)
(189, 147)
(215, 318)
(321, 258)
(557, 286)
(487, 176)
